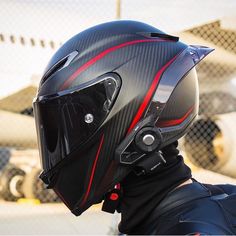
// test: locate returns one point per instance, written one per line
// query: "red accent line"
(176, 121)
(93, 171)
(149, 94)
(68, 82)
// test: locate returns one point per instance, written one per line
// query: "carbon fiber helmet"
(111, 96)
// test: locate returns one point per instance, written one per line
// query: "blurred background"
(31, 31)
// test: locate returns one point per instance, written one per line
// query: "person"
(110, 107)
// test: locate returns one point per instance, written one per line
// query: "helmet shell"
(154, 69)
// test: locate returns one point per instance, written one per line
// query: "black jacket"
(194, 209)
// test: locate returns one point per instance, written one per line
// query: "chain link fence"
(208, 143)
(31, 31)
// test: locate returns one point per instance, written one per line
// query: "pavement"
(53, 219)
(29, 218)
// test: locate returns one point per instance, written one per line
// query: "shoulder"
(199, 208)
(227, 188)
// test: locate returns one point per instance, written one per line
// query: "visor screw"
(148, 139)
(88, 118)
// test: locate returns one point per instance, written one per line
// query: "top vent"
(64, 62)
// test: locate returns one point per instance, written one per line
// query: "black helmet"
(109, 97)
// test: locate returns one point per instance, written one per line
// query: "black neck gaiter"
(142, 194)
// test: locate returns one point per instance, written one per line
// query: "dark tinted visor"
(65, 121)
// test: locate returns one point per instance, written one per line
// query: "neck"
(142, 194)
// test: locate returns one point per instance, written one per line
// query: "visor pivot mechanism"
(148, 139)
(88, 118)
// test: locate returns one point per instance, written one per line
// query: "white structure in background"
(30, 31)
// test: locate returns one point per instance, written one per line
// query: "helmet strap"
(112, 200)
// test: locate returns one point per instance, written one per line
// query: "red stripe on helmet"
(149, 94)
(166, 123)
(93, 170)
(89, 63)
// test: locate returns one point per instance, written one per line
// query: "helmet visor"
(65, 121)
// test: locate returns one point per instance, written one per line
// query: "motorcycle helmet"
(109, 97)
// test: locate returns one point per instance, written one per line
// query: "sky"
(64, 18)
